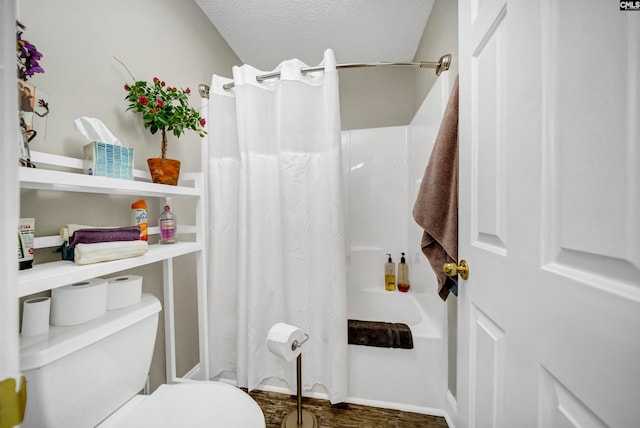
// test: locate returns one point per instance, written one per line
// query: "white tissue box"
(108, 160)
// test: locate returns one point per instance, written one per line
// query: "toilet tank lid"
(38, 351)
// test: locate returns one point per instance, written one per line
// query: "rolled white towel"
(85, 254)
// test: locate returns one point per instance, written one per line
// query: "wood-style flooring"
(276, 406)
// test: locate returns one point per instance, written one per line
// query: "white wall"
(440, 37)
(390, 96)
(376, 97)
(376, 175)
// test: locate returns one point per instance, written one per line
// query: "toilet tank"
(77, 376)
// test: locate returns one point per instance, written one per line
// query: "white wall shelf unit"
(43, 179)
(46, 276)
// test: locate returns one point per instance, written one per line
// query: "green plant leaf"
(175, 115)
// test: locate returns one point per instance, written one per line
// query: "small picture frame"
(26, 104)
(33, 109)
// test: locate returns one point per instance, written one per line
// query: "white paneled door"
(549, 318)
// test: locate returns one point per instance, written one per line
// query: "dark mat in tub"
(380, 334)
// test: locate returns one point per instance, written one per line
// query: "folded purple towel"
(93, 236)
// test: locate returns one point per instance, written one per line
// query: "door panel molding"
(488, 148)
(560, 408)
(591, 187)
(484, 14)
(486, 380)
(611, 275)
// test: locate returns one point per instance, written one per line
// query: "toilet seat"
(193, 405)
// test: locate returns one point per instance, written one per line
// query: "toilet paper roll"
(79, 302)
(123, 291)
(35, 316)
(280, 340)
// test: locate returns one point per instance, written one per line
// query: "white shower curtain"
(276, 229)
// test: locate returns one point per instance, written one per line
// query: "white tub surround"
(382, 171)
(403, 379)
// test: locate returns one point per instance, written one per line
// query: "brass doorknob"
(452, 269)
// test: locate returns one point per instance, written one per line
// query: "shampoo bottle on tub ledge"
(390, 275)
(167, 224)
(403, 275)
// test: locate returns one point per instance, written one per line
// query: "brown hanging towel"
(436, 207)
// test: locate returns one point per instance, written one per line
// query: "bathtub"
(402, 379)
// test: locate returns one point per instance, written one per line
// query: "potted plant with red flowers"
(166, 109)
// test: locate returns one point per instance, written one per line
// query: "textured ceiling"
(263, 33)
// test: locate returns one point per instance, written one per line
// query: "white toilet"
(90, 375)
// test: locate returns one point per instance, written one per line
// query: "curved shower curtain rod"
(440, 66)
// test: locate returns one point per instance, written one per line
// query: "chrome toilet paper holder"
(295, 344)
(299, 418)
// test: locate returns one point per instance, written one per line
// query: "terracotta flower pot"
(164, 171)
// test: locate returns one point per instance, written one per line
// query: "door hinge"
(12, 402)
